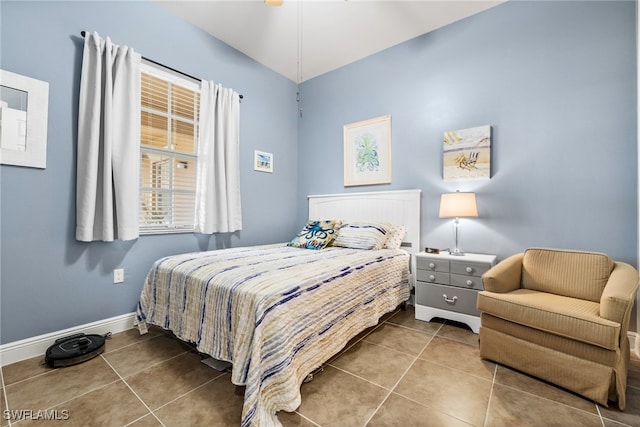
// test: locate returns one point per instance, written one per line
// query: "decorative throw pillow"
(316, 235)
(396, 234)
(362, 235)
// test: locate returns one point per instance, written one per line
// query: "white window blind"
(168, 150)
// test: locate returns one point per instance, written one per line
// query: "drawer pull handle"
(469, 282)
(432, 277)
(432, 265)
(469, 270)
(450, 301)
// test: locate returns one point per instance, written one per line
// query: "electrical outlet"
(118, 275)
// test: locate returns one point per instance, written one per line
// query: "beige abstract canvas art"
(467, 154)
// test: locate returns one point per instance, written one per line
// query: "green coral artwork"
(367, 149)
(367, 152)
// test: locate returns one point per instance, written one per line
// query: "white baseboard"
(37, 346)
(634, 342)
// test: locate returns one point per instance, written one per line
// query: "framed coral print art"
(367, 152)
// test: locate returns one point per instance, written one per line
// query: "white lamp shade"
(457, 205)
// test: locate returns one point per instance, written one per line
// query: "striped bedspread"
(277, 313)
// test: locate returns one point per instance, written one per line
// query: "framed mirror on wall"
(24, 108)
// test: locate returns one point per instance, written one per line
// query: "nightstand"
(447, 286)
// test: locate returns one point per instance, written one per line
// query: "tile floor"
(404, 372)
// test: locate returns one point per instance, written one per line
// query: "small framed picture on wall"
(262, 161)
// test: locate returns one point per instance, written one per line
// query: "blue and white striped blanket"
(275, 312)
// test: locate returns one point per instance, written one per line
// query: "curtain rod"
(82, 33)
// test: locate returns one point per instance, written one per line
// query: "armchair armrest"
(505, 276)
(619, 294)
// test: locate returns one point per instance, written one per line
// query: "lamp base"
(456, 232)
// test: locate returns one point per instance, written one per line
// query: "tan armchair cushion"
(565, 316)
(573, 274)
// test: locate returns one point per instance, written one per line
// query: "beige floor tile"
(129, 337)
(459, 332)
(407, 318)
(633, 378)
(294, 419)
(523, 382)
(375, 363)
(510, 407)
(457, 355)
(212, 405)
(24, 369)
(59, 385)
(610, 423)
(335, 398)
(165, 381)
(111, 406)
(35, 366)
(447, 385)
(455, 393)
(398, 411)
(134, 358)
(146, 421)
(631, 413)
(361, 336)
(399, 338)
(3, 418)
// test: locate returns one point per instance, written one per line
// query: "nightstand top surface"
(468, 256)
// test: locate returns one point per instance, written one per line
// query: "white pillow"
(362, 235)
(396, 235)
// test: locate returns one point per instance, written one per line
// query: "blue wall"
(48, 280)
(555, 80)
(557, 83)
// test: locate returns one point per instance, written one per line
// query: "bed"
(277, 312)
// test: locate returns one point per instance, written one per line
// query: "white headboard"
(397, 207)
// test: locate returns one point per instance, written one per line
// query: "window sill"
(152, 231)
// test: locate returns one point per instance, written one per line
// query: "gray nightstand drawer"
(469, 268)
(447, 286)
(469, 282)
(447, 298)
(432, 277)
(432, 264)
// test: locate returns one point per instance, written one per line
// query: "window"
(168, 150)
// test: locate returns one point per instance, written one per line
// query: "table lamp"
(458, 205)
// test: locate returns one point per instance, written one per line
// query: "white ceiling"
(324, 35)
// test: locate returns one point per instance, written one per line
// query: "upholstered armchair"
(561, 316)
